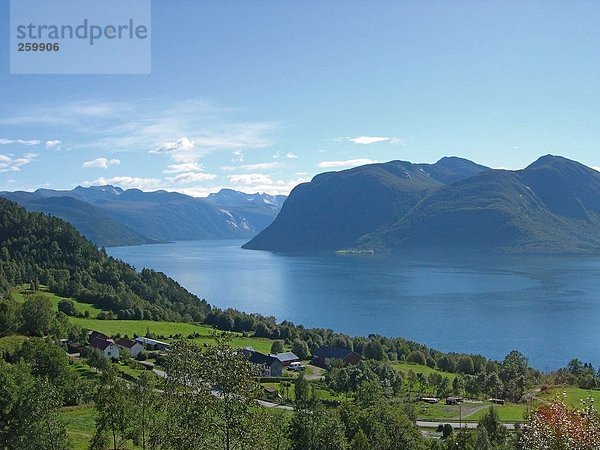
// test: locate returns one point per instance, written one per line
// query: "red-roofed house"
(132, 347)
(106, 347)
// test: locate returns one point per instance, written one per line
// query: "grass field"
(509, 412)
(320, 393)
(141, 327)
(417, 368)
(21, 294)
(574, 395)
(80, 422)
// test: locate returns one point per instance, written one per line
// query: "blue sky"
(261, 95)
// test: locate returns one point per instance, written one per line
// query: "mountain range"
(111, 216)
(551, 206)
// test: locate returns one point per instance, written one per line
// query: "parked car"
(296, 366)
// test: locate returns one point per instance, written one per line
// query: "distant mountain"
(231, 198)
(109, 215)
(552, 206)
(336, 209)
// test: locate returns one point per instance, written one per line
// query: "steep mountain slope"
(88, 219)
(37, 246)
(336, 209)
(112, 216)
(552, 206)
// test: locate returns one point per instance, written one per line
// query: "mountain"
(36, 246)
(336, 209)
(88, 219)
(109, 215)
(551, 206)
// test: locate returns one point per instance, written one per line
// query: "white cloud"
(250, 178)
(53, 145)
(367, 140)
(259, 166)
(184, 167)
(68, 113)
(127, 182)
(238, 156)
(19, 141)
(596, 168)
(181, 144)
(191, 177)
(288, 155)
(101, 163)
(347, 163)
(8, 163)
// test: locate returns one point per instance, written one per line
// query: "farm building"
(152, 344)
(325, 355)
(269, 366)
(132, 347)
(286, 358)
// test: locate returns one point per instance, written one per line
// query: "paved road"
(469, 425)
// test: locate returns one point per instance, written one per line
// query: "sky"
(261, 95)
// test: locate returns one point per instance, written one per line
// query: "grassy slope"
(80, 422)
(425, 370)
(140, 327)
(574, 395)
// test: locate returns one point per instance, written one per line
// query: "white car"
(296, 366)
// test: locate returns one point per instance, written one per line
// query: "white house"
(132, 347)
(106, 347)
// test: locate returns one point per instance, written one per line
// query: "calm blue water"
(546, 307)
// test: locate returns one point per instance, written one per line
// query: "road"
(469, 425)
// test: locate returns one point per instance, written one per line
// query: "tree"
(10, 316)
(209, 398)
(368, 393)
(38, 315)
(494, 428)
(300, 349)
(360, 441)
(145, 402)
(305, 393)
(277, 346)
(231, 373)
(114, 406)
(36, 422)
(513, 372)
(465, 365)
(483, 440)
(67, 306)
(558, 426)
(317, 429)
(417, 357)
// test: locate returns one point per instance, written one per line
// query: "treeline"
(508, 378)
(36, 248)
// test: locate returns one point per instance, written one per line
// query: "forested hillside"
(42, 249)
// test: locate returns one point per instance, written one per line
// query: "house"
(325, 355)
(268, 365)
(93, 335)
(132, 347)
(152, 344)
(286, 358)
(106, 347)
(75, 347)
